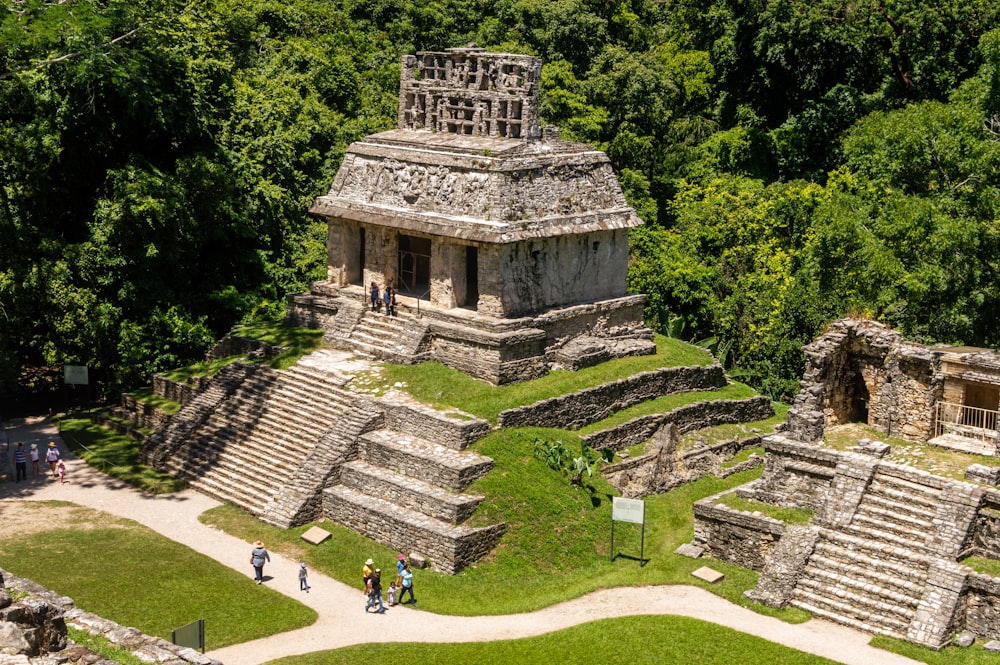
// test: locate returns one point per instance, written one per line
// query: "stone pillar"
(490, 281)
(338, 248)
(443, 259)
(381, 256)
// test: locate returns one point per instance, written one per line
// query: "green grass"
(668, 403)
(639, 640)
(782, 513)
(741, 457)
(557, 542)
(146, 396)
(983, 565)
(205, 368)
(100, 645)
(974, 655)
(436, 384)
(114, 454)
(125, 572)
(299, 341)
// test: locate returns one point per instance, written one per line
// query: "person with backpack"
(375, 592)
(258, 555)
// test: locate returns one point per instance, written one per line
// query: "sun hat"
(257, 543)
(369, 562)
(378, 570)
(400, 558)
(34, 446)
(52, 444)
(303, 564)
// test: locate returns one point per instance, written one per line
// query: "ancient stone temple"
(508, 247)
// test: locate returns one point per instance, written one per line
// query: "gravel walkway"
(176, 517)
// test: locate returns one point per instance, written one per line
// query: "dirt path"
(176, 517)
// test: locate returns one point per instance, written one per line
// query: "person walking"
(20, 463)
(374, 296)
(407, 586)
(400, 565)
(375, 592)
(34, 457)
(257, 558)
(61, 471)
(52, 456)
(366, 575)
(303, 577)
(387, 297)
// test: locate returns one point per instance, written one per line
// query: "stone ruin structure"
(883, 551)
(33, 631)
(507, 246)
(861, 371)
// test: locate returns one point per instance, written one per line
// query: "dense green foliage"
(794, 161)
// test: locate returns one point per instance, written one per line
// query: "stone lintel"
(475, 230)
(487, 154)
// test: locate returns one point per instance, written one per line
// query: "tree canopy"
(794, 161)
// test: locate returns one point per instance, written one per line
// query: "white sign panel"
(627, 510)
(75, 374)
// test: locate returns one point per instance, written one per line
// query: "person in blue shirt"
(21, 463)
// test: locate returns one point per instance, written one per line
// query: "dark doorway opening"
(471, 277)
(983, 402)
(414, 266)
(857, 407)
(358, 276)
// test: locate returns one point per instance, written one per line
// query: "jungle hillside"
(794, 161)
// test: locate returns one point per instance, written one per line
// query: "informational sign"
(76, 375)
(628, 510)
(192, 635)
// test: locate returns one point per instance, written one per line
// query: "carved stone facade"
(504, 243)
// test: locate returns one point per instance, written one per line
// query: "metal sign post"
(192, 635)
(629, 510)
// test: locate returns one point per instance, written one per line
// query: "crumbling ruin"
(884, 550)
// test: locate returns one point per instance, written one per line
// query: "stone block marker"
(316, 536)
(709, 575)
(690, 550)
(992, 646)
(964, 639)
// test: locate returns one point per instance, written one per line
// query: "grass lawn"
(114, 454)
(125, 572)
(557, 541)
(641, 640)
(974, 655)
(436, 384)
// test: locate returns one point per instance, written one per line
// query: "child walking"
(303, 574)
(61, 471)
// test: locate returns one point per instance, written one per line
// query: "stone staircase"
(249, 444)
(400, 339)
(873, 572)
(405, 492)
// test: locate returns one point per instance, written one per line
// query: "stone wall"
(593, 404)
(445, 429)
(447, 551)
(35, 631)
(980, 606)
(861, 371)
(180, 392)
(794, 475)
(686, 418)
(234, 345)
(738, 536)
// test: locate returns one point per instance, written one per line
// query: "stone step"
(432, 463)
(920, 535)
(906, 490)
(233, 486)
(881, 535)
(449, 547)
(409, 493)
(290, 414)
(902, 578)
(846, 614)
(920, 515)
(844, 585)
(236, 451)
(875, 549)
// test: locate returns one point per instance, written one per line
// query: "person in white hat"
(366, 575)
(33, 456)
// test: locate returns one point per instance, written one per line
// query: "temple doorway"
(414, 265)
(471, 277)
